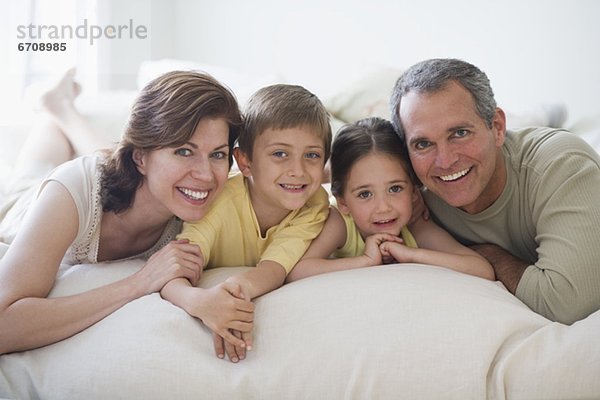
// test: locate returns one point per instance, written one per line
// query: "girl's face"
(378, 194)
(185, 180)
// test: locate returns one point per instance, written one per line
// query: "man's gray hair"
(432, 75)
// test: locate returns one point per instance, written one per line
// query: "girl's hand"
(178, 259)
(373, 244)
(397, 251)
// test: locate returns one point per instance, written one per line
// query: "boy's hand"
(234, 353)
(222, 309)
(239, 290)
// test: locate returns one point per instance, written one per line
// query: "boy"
(266, 216)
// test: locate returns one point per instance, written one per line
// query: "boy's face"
(285, 171)
(378, 194)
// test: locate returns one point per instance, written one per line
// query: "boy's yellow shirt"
(229, 234)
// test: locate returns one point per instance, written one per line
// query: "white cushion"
(385, 332)
(368, 96)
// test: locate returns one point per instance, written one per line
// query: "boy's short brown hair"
(283, 106)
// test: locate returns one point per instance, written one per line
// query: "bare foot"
(60, 98)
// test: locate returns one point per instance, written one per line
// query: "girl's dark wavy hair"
(357, 140)
(165, 114)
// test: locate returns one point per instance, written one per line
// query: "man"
(528, 200)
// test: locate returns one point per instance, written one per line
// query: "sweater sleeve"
(564, 195)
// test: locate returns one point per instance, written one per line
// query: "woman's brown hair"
(165, 114)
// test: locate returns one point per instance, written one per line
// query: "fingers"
(385, 248)
(190, 269)
(231, 342)
(233, 289)
(380, 238)
(244, 306)
(240, 351)
(236, 290)
(219, 345)
(386, 237)
(222, 347)
(185, 260)
(230, 349)
(240, 326)
(248, 338)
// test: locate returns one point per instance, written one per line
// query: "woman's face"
(185, 180)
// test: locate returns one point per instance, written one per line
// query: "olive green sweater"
(547, 215)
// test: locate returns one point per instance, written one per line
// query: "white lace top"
(81, 177)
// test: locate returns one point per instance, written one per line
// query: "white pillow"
(369, 96)
(555, 362)
(384, 332)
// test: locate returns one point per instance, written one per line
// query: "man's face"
(451, 148)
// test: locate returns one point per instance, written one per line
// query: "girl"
(170, 164)
(373, 183)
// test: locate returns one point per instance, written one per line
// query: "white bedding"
(398, 331)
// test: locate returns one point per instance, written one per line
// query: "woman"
(169, 166)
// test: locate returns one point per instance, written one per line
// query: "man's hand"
(420, 210)
(508, 268)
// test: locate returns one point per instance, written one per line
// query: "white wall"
(119, 60)
(534, 51)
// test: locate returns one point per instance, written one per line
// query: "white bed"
(397, 331)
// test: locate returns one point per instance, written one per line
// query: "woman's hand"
(178, 259)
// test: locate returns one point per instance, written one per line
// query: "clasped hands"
(229, 314)
(384, 248)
